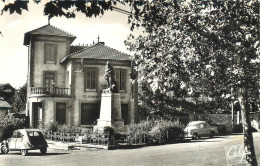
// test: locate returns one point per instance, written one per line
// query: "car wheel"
(211, 134)
(195, 136)
(24, 152)
(43, 151)
(4, 148)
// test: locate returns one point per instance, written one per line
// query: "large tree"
(199, 49)
(6, 91)
(18, 101)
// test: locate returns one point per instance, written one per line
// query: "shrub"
(52, 126)
(9, 124)
(158, 130)
(68, 129)
(109, 130)
(86, 131)
(141, 128)
(55, 127)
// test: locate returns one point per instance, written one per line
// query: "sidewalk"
(74, 145)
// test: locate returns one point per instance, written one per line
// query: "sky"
(112, 28)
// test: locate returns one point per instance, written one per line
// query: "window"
(61, 113)
(14, 135)
(91, 79)
(33, 133)
(120, 79)
(50, 53)
(19, 135)
(203, 125)
(49, 78)
(89, 113)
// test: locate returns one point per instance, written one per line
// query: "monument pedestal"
(110, 111)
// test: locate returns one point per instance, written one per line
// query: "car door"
(19, 140)
(12, 141)
(203, 129)
(207, 129)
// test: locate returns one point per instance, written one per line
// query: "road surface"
(202, 152)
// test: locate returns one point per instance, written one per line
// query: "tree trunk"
(248, 137)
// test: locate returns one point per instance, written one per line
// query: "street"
(200, 152)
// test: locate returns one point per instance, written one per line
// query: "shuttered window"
(91, 79)
(61, 113)
(50, 53)
(121, 79)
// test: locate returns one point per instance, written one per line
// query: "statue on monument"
(110, 78)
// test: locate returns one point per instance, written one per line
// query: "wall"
(38, 60)
(49, 109)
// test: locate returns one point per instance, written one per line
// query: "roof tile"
(47, 30)
(50, 30)
(100, 51)
(4, 104)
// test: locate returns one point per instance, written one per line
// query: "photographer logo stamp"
(236, 154)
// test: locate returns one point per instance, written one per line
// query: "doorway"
(37, 114)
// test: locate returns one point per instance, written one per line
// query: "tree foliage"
(18, 101)
(6, 91)
(65, 8)
(199, 50)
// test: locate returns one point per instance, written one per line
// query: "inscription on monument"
(97, 97)
(91, 96)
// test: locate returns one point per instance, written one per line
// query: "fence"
(84, 138)
(111, 139)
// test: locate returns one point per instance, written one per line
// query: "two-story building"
(65, 82)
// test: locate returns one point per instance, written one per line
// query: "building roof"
(74, 49)
(99, 51)
(48, 30)
(4, 104)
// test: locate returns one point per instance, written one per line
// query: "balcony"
(51, 91)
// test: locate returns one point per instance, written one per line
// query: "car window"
(19, 135)
(193, 125)
(203, 125)
(14, 134)
(34, 134)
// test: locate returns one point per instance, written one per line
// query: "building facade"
(4, 108)
(65, 82)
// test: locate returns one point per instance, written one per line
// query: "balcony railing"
(51, 91)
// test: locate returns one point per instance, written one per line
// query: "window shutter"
(123, 79)
(61, 113)
(50, 53)
(117, 78)
(54, 53)
(94, 78)
(47, 53)
(88, 79)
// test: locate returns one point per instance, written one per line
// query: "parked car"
(23, 140)
(197, 129)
